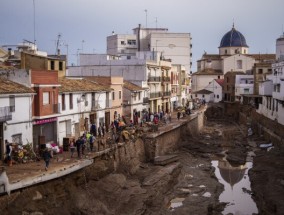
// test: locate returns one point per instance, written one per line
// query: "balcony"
(96, 105)
(154, 79)
(166, 79)
(145, 100)
(155, 95)
(166, 94)
(5, 114)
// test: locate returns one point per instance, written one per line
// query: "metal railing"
(155, 95)
(154, 79)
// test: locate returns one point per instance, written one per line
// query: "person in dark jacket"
(78, 144)
(46, 157)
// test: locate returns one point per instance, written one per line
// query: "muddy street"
(201, 181)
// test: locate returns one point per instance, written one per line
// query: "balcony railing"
(145, 100)
(166, 79)
(5, 114)
(155, 95)
(154, 79)
(166, 94)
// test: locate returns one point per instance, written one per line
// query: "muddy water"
(236, 187)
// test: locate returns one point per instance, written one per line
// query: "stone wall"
(168, 141)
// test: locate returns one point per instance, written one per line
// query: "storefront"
(44, 131)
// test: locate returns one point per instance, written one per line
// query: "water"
(236, 184)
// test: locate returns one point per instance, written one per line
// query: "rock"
(38, 196)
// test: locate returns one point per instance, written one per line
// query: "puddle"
(176, 202)
(235, 181)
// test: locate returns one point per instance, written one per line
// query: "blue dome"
(233, 39)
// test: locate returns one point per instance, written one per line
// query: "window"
(245, 51)
(113, 96)
(71, 101)
(246, 90)
(63, 101)
(226, 51)
(218, 76)
(17, 138)
(52, 65)
(217, 96)
(12, 103)
(122, 42)
(239, 64)
(119, 94)
(45, 98)
(227, 79)
(139, 96)
(236, 51)
(60, 65)
(131, 42)
(259, 71)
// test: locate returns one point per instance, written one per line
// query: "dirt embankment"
(188, 186)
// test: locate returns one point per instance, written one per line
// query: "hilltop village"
(141, 91)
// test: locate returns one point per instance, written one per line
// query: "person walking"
(46, 157)
(72, 147)
(178, 115)
(78, 144)
(91, 141)
(8, 153)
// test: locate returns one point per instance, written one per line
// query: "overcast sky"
(260, 21)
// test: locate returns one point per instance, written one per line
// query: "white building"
(233, 56)
(82, 102)
(173, 46)
(215, 86)
(134, 100)
(146, 70)
(15, 114)
(272, 89)
(243, 86)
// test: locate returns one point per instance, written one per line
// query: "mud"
(188, 186)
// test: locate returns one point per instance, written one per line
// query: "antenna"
(34, 22)
(57, 44)
(156, 22)
(146, 11)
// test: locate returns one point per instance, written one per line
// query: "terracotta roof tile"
(208, 71)
(263, 56)
(220, 81)
(80, 85)
(10, 87)
(102, 80)
(132, 87)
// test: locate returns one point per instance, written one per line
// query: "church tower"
(233, 42)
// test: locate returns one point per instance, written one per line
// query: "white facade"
(200, 82)
(272, 90)
(174, 46)
(19, 129)
(243, 86)
(216, 88)
(83, 105)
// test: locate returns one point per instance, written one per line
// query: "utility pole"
(146, 12)
(34, 22)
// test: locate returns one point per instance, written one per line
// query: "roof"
(204, 91)
(9, 87)
(220, 81)
(233, 38)
(263, 56)
(102, 80)
(208, 71)
(210, 56)
(132, 87)
(80, 85)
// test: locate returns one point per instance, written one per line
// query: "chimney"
(9, 52)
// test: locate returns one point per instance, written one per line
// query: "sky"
(91, 21)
